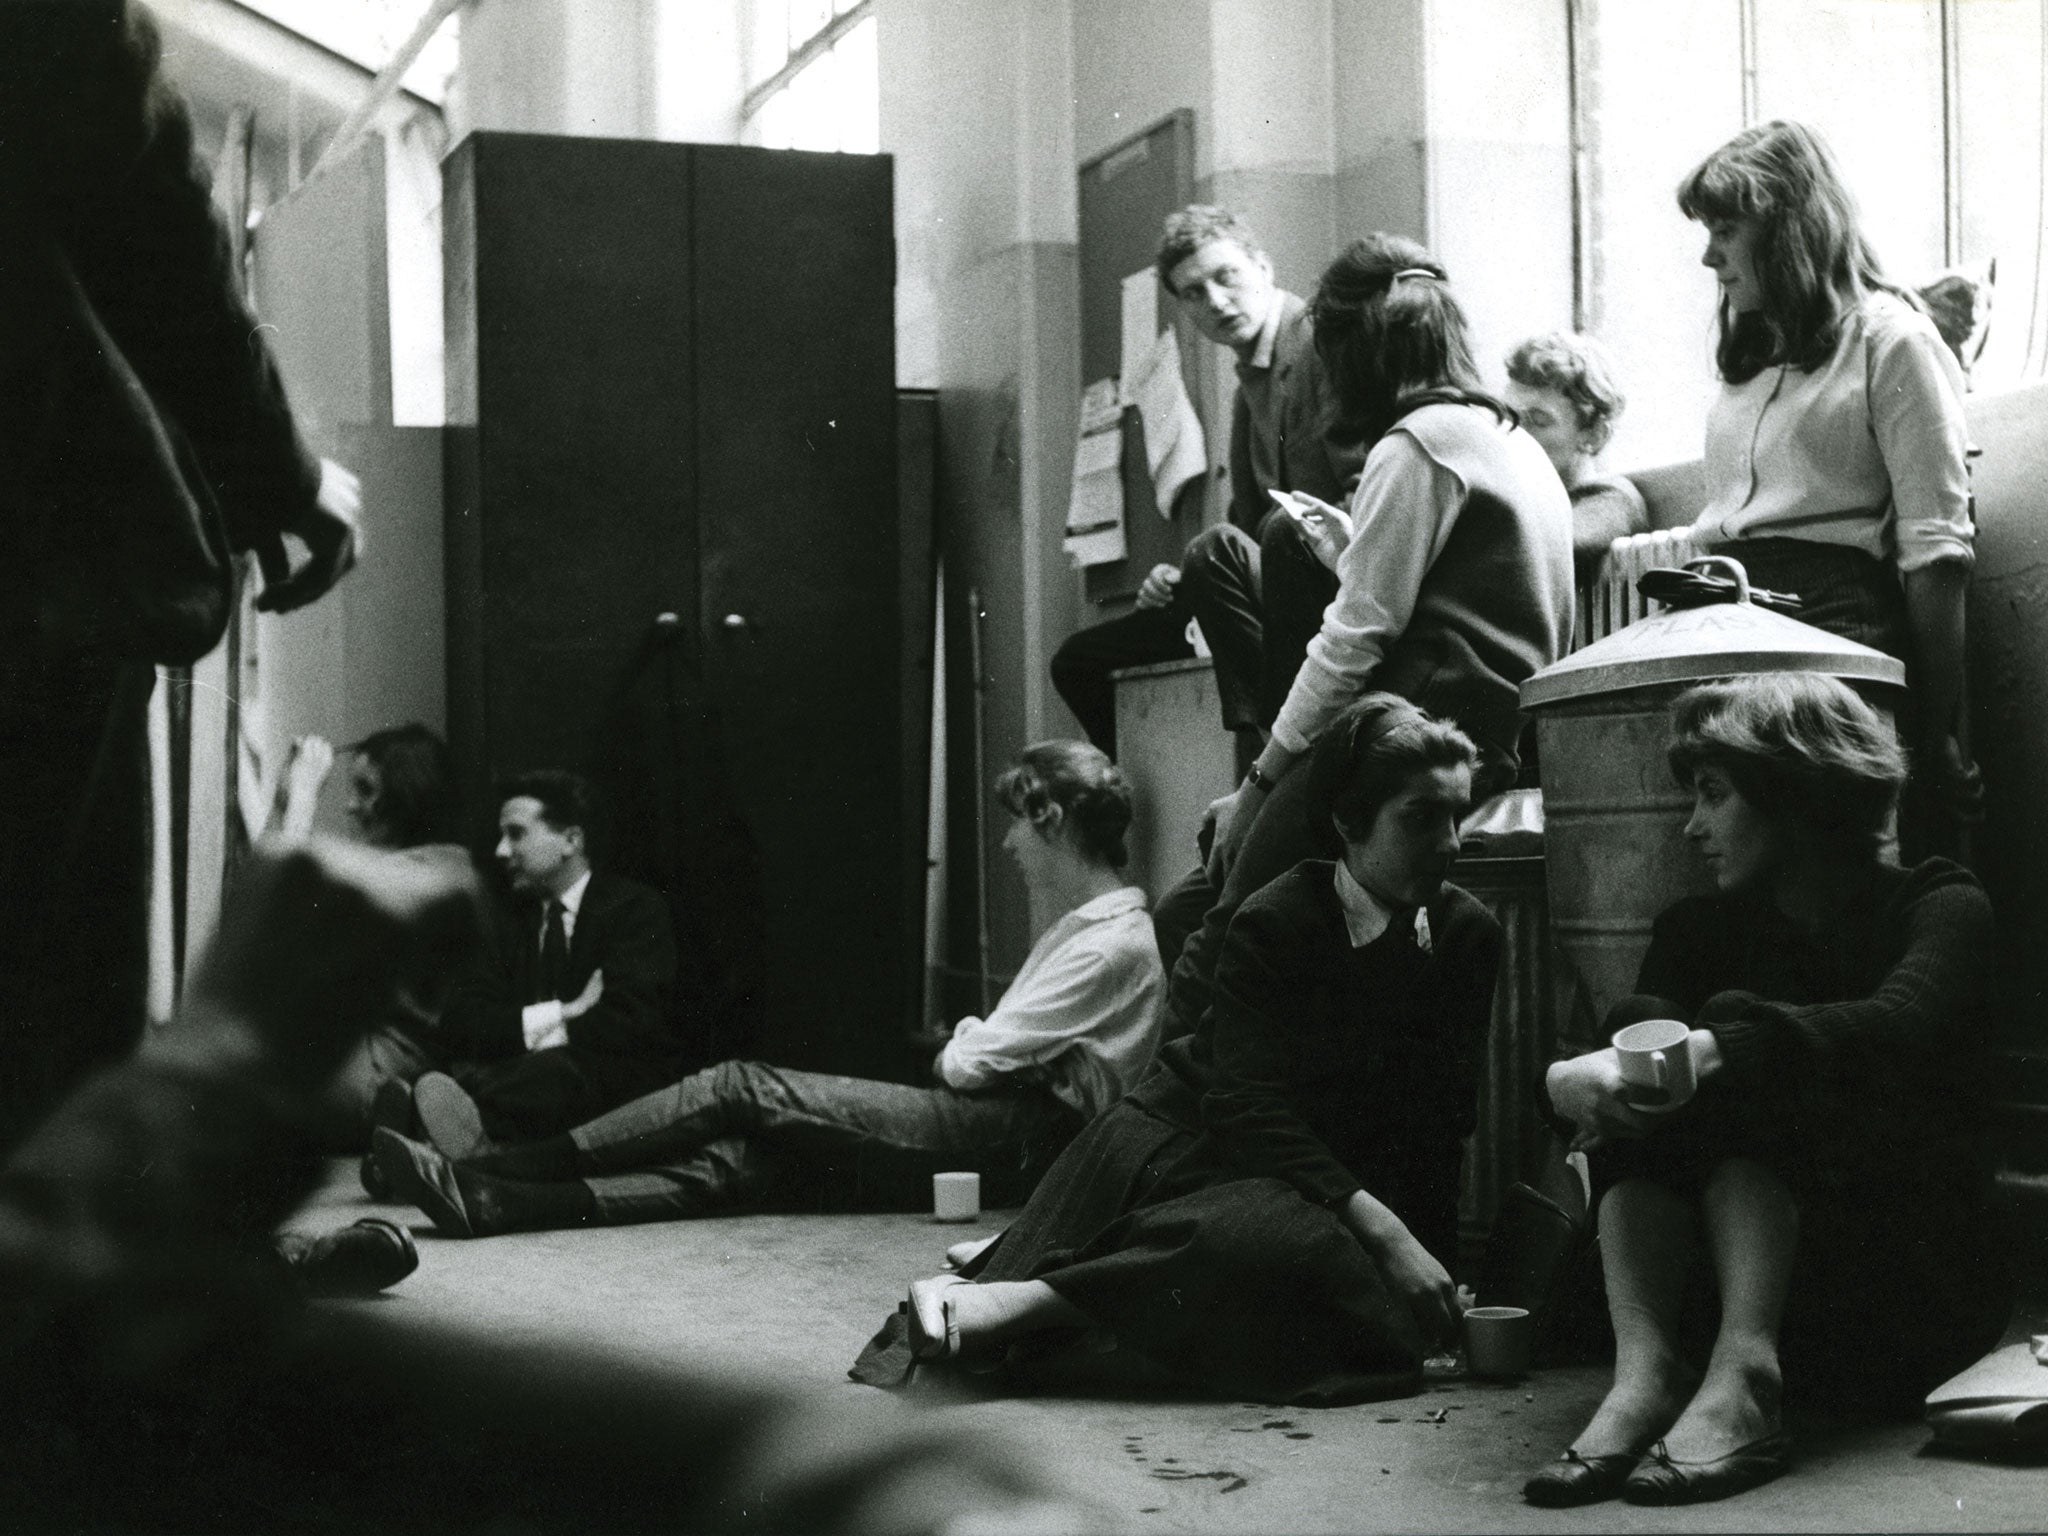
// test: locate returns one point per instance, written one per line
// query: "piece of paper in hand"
(1140, 326)
(1175, 450)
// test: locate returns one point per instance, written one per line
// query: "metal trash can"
(1614, 846)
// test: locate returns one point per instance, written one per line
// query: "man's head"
(1563, 387)
(543, 821)
(1214, 266)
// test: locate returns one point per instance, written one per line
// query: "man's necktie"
(554, 957)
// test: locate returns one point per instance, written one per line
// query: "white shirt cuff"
(543, 1025)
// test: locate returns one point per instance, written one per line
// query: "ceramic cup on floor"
(956, 1196)
(1656, 1061)
(1499, 1341)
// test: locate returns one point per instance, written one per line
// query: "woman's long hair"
(1392, 338)
(1812, 260)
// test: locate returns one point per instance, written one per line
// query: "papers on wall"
(1141, 327)
(1175, 450)
(1095, 506)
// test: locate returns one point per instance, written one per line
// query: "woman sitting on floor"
(1828, 1170)
(1268, 1215)
(1075, 1029)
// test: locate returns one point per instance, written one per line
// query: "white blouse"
(1083, 1014)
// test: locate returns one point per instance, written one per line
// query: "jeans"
(730, 1135)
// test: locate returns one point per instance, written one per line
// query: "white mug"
(1656, 1063)
(956, 1196)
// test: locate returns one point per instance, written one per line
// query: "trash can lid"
(1690, 645)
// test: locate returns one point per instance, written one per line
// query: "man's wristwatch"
(1258, 780)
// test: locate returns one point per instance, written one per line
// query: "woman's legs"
(1752, 1229)
(1649, 1237)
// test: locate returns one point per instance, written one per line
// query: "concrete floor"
(796, 1297)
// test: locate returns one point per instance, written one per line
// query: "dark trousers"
(727, 1136)
(74, 873)
(1258, 603)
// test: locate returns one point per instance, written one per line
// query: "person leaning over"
(1250, 581)
(1563, 388)
(1455, 586)
(1270, 1213)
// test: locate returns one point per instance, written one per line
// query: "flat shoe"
(1662, 1480)
(1573, 1479)
(448, 1116)
(934, 1335)
(425, 1178)
(360, 1259)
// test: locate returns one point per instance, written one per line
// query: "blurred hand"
(1327, 528)
(1159, 585)
(315, 938)
(332, 534)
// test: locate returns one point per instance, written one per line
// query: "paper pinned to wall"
(1175, 449)
(1141, 327)
(1095, 505)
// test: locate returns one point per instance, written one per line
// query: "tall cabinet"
(671, 381)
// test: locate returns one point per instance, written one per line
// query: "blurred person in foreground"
(160, 1374)
(145, 440)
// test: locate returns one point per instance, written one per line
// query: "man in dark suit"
(1251, 582)
(574, 1011)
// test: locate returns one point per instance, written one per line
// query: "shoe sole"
(448, 1116)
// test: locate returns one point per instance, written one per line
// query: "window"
(371, 32)
(1933, 106)
(816, 82)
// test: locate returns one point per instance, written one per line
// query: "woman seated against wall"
(399, 793)
(1454, 572)
(1270, 1213)
(1827, 1176)
(1836, 449)
(1565, 391)
(1075, 1029)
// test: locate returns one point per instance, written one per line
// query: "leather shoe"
(1662, 1480)
(448, 1116)
(360, 1259)
(1573, 1479)
(425, 1178)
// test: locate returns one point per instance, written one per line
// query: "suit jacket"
(1288, 414)
(622, 929)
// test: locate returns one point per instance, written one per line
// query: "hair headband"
(1409, 272)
